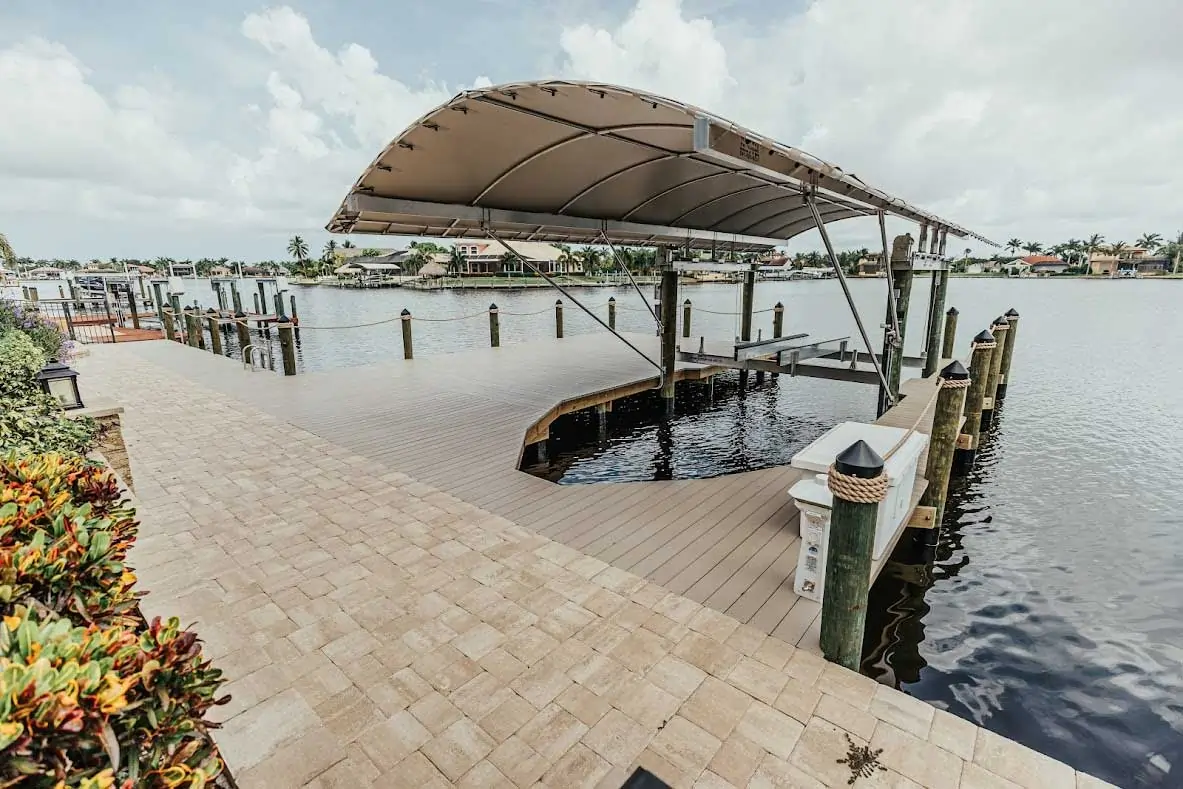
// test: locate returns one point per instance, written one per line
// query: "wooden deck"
(457, 422)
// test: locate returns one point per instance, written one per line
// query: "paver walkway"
(378, 632)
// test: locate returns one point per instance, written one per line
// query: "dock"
(459, 422)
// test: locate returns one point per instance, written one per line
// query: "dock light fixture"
(61, 383)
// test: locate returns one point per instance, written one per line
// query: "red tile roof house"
(1037, 266)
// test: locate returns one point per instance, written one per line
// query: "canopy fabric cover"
(577, 162)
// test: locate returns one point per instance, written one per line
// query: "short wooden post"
(244, 332)
(191, 328)
(235, 298)
(942, 443)
(559, 318)
(215, 336)
(408, 349)
(135, 312)
(745, 318)
(262, 296)
(669, 333)
(494, 326)
(166, 321)
(157, 298)
(950, 333)
(258, 309)
(999, 329)
(1008, 352)
(778, 326)
(279, 313)
(66, 312)
(295, 316)
(611, 312)
(979, 369)
(686, 318)
(287, 345)
(858, 485)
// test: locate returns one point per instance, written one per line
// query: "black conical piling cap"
(984, 336)
(558, 302)
(1001, 321)
(859, 460)
(779, 306)
(240, 314)
(406, 313)
(952, 311)
(611, 299)
(1012, 313)
(954, 371)
(686, 303)
(492, 306)
(210, 311)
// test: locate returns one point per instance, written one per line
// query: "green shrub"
(44, 333)
(91, 696)
(20, 361)
(36, 424)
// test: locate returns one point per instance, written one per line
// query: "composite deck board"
(458, 422)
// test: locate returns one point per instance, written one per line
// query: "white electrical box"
(813, 498)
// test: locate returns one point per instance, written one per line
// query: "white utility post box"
(813, 498)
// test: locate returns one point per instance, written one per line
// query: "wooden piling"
(135, 312)
(778, 327)
(669, 334)
(494, 326)
(408, 348)
(192, 330)
(258, 307)
(279, 311)
(950, 333)
(611, 312)
(166, 322)
(858, 484)
(942, 443)
(893, 352)
(936, 305)
(686, 306)
(262, 296)
(979, 369)
(745, 318)
(244, 332)
(1008, 352)
(157, 298)
(295, 316)
(999, 329)
(215, 336)
(287, 346)
(235, 298)
(559, 318)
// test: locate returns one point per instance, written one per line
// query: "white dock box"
(813, 498)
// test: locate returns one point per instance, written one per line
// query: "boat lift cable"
(821, 228)
(620, 262)
(893, 317)
(576, 301)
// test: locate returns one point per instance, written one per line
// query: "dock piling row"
(999, 329)
(1008, 350)
(979, 368)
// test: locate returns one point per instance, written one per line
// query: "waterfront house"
(1037, 266)
(44, 272)
(870, 265)
(220, 271)
(1131, 261)
(492, 258)
(373, 271)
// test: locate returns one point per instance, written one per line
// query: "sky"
(142, 129)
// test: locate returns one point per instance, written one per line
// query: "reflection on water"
(1052, 613)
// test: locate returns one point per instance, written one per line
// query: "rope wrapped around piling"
(954, 383)
(857, 489)
(985, 346)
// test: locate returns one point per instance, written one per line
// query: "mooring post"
(235, 298)
(669, 329)
(1008, 351)
(262, 296)
(979, 369)
(900, 261)
(408, 350)
(950, 333)
(936, 305)
(295, 315)
(221, 296)
(258, 310)
(191, 330)
(166, 322)
(559, 318)
(279, 311)
(287, 345)
(215, 337)
(858, 484)
(135, 312)
(611, 312)
(494, 326)
(999, 329)
(745, 326)
(244, 331)
(942, 443)
(686, 318)
(157, 298)
(778, 327)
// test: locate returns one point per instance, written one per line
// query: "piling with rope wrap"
(494, 327)
(244, 331)
(999, 329)
(953, 383)
(1008, 351)
(408, 348)
(979, 368)
(950, 333)
(858, 484)
(287, 345)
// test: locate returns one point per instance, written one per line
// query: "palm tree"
(1116, 248)
(330, 251)
(1032, 247)
(347, 244)
(6, 253)
(1149, 241)
(1093, 244)
(457, 261)
(1174, 249)
(298, 248)
(1014, 244)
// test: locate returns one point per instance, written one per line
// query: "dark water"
(1054, 611)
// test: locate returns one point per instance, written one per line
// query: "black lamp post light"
(61, 383)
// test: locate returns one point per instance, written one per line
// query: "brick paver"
(377, 632)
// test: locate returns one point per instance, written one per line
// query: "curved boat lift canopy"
(582, 162)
